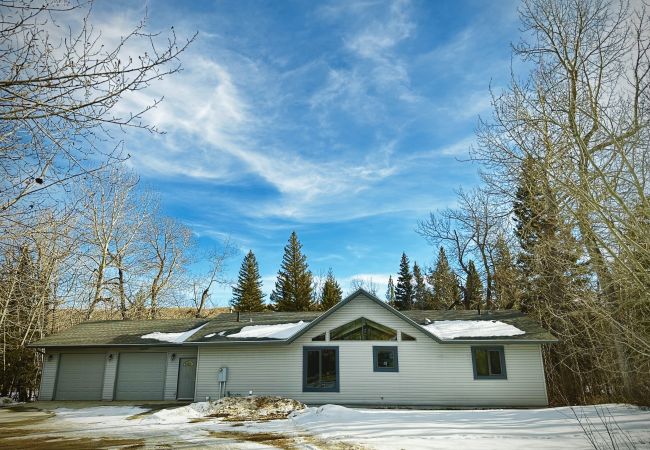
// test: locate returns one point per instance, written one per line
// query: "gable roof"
(126, 333)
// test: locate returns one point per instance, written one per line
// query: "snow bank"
(6, 401)
(278, 331)
(174, 338)
(450, 329)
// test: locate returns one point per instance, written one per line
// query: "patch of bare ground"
(282, 441)
(257, 408)
(16, 440)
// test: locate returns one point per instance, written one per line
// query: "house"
(360, 352)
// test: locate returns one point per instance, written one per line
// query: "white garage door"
(140, 376)
(80, 376)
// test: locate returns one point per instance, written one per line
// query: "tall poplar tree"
(473, 292)
(293, 287)
(404, 289)
(247, 293)
(444, 282)
(331, 293)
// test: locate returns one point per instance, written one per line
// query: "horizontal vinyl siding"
(48, 376)
(429, 373)
(110, 372)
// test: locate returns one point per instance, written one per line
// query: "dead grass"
(59, 443)
(282, 441)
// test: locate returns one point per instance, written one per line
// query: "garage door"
(80, 376)
(140, 376)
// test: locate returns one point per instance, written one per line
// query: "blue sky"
(345, 121)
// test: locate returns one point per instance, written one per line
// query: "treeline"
(560, 227)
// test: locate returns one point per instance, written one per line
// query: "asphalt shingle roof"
(130, 332)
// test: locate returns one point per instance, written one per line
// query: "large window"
(384, 359)
(489, 363)
(320, 369)
(363, 329)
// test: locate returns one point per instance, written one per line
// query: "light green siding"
(429, 373)
(48, 376)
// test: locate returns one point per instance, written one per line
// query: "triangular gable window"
(363, 329)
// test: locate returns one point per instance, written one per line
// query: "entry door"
(186, 378)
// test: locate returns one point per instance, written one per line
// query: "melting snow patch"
(172, 337)
(209, 335)
(450, 329)
(278, 331)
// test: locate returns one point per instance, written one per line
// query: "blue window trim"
(379, 348)
(502, 356)
(304, 369)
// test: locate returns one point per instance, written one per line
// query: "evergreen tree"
(404, 289)
(390, 291)
(293, 287)
(505, 276)
(473, 292)
(247, 294)
(548, 261)
(446, 289)
(422, 295)
(332, 293)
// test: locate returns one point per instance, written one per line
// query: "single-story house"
(360, 352)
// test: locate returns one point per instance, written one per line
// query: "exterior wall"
(50, 368)
(429, 373)
(48, 376)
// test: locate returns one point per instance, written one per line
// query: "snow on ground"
(506, 429)
(450, 329)
(277, 331)
(172, 337)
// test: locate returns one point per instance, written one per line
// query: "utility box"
(222, 374)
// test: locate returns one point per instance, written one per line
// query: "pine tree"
(404, 289)
(293, 287)
(422, 295)
(473, 292)
(332, 293)
(505, 276)
(247, 294)
(390, 291)
(446, 290)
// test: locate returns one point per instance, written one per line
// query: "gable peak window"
(363, 329)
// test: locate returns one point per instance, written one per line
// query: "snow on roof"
(277, 331)
(175, 338)
(450, 329)
(209, 335)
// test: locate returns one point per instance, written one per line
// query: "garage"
(80, 376)
(140, 376)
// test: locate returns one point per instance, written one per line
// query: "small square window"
(385, 359)
(489, 363)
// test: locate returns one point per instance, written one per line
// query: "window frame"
(502, 359)
(382, 348)
(320, 348)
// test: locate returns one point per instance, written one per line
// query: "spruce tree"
(390, 291)
(473, 292)
(293, 287)
(548, 261)
(446, 290)
(247, 294)
(422, 295)
(404, 289)
(332, 293)
(505, 276)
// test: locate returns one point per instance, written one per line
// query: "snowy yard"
(333, 426)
